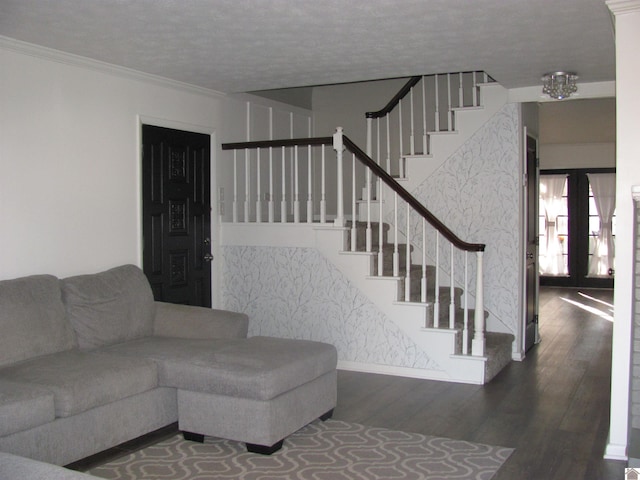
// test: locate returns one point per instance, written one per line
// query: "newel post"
(338, 146)
(478, 342)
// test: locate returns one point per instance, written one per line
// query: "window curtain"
(551, 189)
(603, 186)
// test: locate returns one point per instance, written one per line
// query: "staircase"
(429, 300)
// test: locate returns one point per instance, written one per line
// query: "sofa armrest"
(185, 321)
(13, 467)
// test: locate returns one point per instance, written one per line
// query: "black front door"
(176, 215)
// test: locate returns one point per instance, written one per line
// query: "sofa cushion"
(24, 406)
(80, 380)
(109, 307)
(259, 367)
(32, 319)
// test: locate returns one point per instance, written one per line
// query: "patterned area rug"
(331, 450)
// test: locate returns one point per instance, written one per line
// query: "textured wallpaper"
(476, 194)
(298, 293)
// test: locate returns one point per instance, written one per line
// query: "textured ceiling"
(244, 45)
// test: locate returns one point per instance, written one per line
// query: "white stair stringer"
(410, 317)
(444, 144)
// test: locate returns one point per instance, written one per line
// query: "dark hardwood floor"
(553, 407)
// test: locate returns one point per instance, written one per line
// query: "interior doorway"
(176, 214)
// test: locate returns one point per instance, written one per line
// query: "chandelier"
(559, 85)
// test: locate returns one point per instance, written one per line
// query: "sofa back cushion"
(109, 307)
(32, 319)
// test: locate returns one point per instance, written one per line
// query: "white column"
(478, 342)
(627, 33)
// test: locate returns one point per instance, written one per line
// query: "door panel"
(176, 215)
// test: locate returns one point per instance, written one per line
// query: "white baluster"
(396, 252)
(247, 184)
(369, 135)
(475, 90)
(425, 145)
(400, 146)
(449, 110)
(368, 236)
(388, 146)
(460, 91)
(452, 290)
(309, 187)
(283, 203)
(465, 329)
(412, 144)
(436, 298)
(407, 281)
(478, 342)
(323, 188)
(380, 229)
(258, 190)
(437, 98)
(296, 186)
(270, 199)
(354, 217)
(271, 192)
(338, 146)
(235, 186)
(423, 281)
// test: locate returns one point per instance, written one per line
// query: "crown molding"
(51, 54)
(620, 7)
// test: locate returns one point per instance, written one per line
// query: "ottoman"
(257, 391)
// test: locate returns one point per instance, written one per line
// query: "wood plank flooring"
(553, 407)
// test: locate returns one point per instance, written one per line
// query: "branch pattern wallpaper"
(297, 293)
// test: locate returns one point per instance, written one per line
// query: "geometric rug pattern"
(331, 450)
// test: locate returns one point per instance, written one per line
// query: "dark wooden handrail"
(377, 170)
(396, 99)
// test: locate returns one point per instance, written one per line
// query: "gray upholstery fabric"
(13, 467)
(81, 380)
(185, 321)
(69, 439)
(109, 307)
(258, 367)
(32, 319)
(263, 422)
(23, 406)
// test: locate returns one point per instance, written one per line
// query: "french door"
(577, 227)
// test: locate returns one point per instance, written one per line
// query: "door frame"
(216, 274)
(521, 353)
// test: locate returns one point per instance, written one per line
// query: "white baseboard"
(615, 452)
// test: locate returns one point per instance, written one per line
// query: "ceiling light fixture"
(559, 85)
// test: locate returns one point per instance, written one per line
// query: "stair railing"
(425, 105)
(333, 199)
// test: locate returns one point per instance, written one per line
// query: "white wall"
(346, 105)
(627, 24)
(70, 156)
(578, 134)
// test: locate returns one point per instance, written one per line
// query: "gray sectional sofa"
(91, 361)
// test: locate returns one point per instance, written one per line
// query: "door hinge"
(535, 319)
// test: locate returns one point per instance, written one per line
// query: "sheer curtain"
(603, 186)
(551, 188)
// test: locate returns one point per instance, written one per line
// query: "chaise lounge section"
(92, 361)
